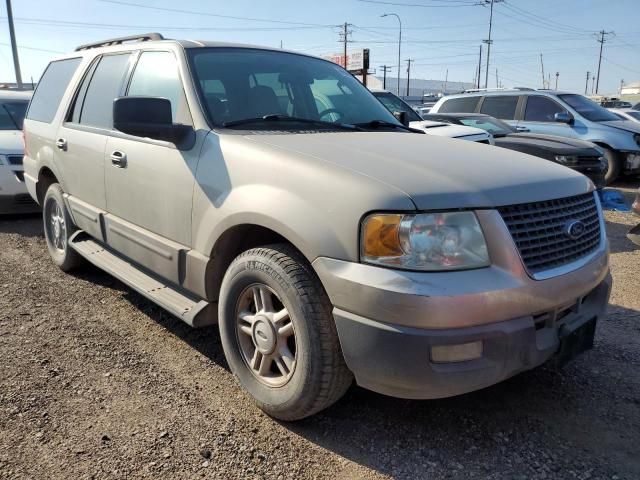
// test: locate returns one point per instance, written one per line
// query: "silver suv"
(557, 113)
(270, 192)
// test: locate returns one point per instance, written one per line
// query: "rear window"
(503, 107)
(460, 105)
(12, 114)
(50, 89)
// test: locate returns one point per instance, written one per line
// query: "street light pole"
(399, 43)
(14, 46)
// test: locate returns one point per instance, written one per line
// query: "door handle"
(119, 159)
(522, 129)
(61, 143)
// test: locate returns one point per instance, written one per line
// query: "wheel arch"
(46, 177)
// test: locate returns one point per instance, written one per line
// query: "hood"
(627, 125)
(547, 144)
(436, 172)
(10, 141)
(443, 129)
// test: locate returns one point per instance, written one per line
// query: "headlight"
(426, 241)
(567, 159)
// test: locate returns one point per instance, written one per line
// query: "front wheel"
(614, 166)
(278, 333)
(58, 228)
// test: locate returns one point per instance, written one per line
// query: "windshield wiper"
(287, 118)
(375, 124)
(13, 120)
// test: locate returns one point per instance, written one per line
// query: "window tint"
(12, 114)
(588, 108)
(541, 109)
(104, 88)
(51, 87)
(156, 75)
(395, 104)
(503, 107)
(460, 105)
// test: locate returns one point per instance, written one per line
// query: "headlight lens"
(426, 241)
(567, 159)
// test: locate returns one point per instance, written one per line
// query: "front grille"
(15, 159)
(539, 230)
(23, 199)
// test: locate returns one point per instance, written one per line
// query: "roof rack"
(474, 90)
(145, 37)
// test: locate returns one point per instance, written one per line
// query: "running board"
(197, 313)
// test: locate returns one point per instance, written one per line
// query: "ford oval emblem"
(575, 229)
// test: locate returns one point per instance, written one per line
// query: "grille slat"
(538, 230)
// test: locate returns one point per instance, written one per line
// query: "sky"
(443, 37)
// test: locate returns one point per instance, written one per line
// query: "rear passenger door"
(538, 117)
(82, 138)
(503, 107)
(149, 183)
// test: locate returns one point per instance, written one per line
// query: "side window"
(156, 75)
(51, 88)
(460, 105)
(503, 107)
(104, 88)
(541, 109)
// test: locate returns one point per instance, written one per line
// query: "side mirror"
(148, 117)
(402, 117)
(563, 117)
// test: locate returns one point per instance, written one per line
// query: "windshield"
(239, 84)
(588, 108)
(396, 104)
(12, 114)
(492, 125)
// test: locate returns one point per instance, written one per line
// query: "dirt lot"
(96, 382)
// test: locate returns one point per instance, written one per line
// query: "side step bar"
(187, 308)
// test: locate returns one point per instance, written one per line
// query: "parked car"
(14, 197)
(395, 104)
(627, 114)
(325, 250)
(557, 113)
(615, 104)
(581, 156)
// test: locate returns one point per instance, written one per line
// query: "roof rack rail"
(120, 40)
(501, 89)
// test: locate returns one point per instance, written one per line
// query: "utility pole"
(14, 46)
(399, 42)
(542, 66)
(446, 80)
(586, 85)
(601, 41)
(489, 41)
(385, 69)
(497, 83)
(557, 75)
(344, 38)
(479, 66)
(409, 60)
(621, 85)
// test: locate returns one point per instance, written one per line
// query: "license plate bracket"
(573, 343)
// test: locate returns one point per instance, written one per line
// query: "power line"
(460, 3)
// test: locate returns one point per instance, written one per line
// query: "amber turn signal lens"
(381, 236)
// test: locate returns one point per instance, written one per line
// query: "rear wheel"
(278, 333)
(614, 165)
(58, 228)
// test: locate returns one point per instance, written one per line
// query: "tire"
(312, 374)
(54, 211)
(614, 166)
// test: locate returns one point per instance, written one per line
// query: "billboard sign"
(356, 61)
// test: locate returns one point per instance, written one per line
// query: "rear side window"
(541, 109)
(51, 88)
(503, 107)
(156, 75)
(104, 88)
(460, 105)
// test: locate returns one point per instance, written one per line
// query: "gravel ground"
(96, 382)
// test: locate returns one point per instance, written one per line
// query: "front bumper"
(389, 320)
(14, 197)
(397, 361)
